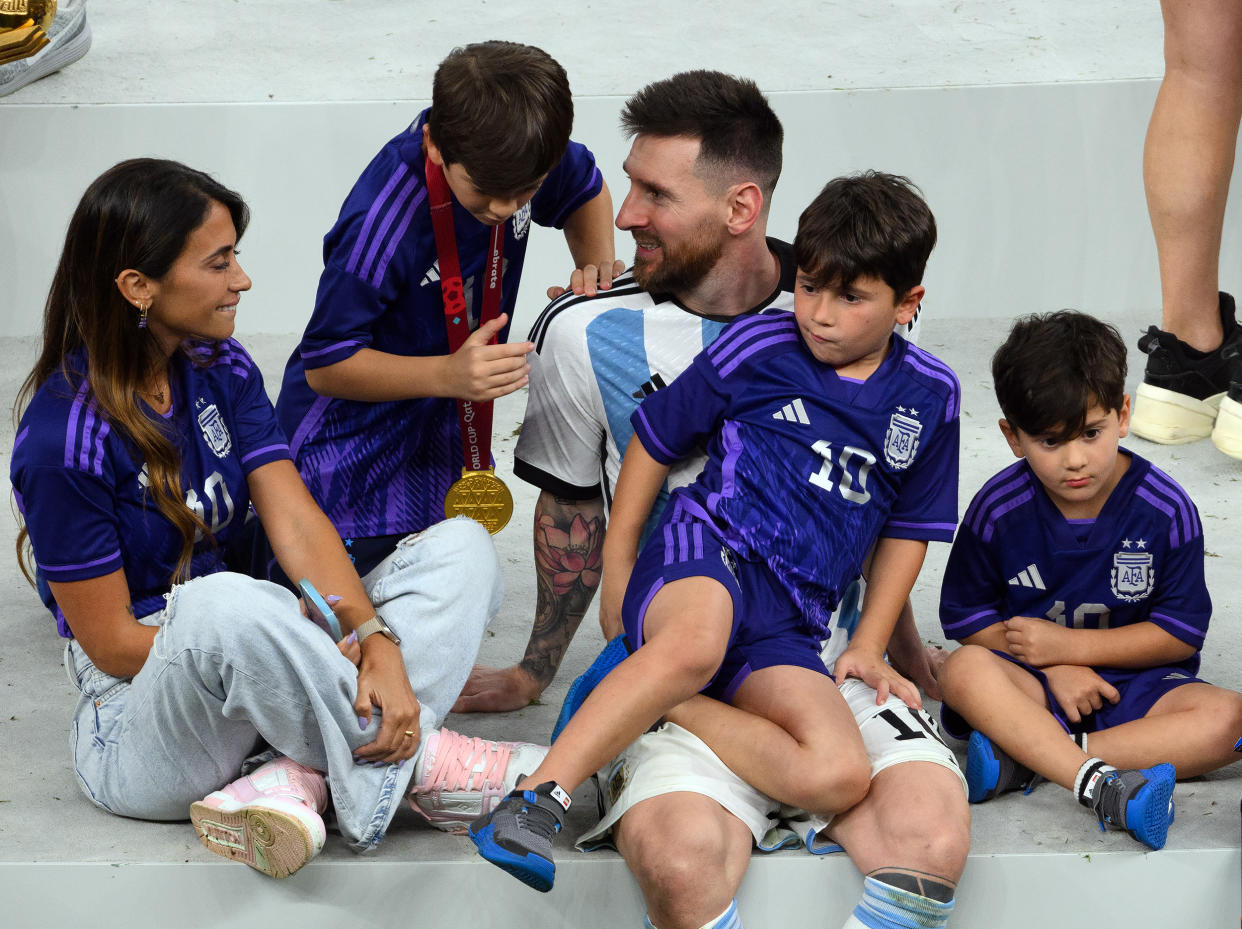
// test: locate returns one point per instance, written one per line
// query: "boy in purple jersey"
(832, 443)
(368, 396)
(1076, 585)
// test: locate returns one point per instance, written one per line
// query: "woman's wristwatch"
(376, 624)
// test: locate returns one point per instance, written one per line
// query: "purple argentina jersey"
(805, 469)
(83, 493)
(1140, 560)
(384, 468)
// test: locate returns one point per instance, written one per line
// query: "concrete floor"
(187, 51)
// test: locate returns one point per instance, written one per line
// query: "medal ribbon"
(474, 418)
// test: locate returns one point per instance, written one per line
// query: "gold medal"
(483, 497)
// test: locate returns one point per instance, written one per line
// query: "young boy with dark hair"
(832, 442)
(1076, 585)
(368, 399)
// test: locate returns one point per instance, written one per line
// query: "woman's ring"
(410, 734)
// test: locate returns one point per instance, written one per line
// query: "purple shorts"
(767, 626)
(1140, 690)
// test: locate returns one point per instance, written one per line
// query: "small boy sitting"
(1076, 585)
(368, 395)
(829, 439)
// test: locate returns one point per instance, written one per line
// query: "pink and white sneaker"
(270, 819)
(458, 779)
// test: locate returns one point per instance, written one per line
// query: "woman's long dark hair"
(137, 214)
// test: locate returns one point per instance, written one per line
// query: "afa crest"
(521, 221)
(1133, 576)
(902, 440)
(215, 433)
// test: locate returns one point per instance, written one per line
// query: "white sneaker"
(458, 779)
(270, 819)
(69, 38)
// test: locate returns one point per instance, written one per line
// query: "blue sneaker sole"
(533, 870)
(982, 769)
(615, 652)
(1149, 813)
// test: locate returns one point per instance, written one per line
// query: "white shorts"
(672, 759)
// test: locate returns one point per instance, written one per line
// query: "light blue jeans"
(235, 663)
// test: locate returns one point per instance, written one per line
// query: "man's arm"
(569, 540)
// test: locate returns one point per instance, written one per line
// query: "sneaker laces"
(460, 760)
(537, 818)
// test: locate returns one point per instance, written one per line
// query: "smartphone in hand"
(318, 611)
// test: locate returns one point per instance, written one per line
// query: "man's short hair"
(737, 130)
(1053, 368)
(866, 225)
(503, 111)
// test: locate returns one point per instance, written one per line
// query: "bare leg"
(688, 855)
(1188, 160)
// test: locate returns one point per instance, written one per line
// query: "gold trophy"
(23, 27)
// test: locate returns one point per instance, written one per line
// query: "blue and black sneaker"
(1141, 802)
(990, 771)
(517, 835)
(615, 652)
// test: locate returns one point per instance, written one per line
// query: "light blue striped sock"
(886, 907)
(729, 919)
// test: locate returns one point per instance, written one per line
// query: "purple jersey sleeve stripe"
(995, 490)
(755, 348)
(575, 201)
(395, 239)
(1188, 515)
(737, 337)
(266, 450)
(308, 424)
(334, 347)
(71, 428)
(931, 527)
(1197, 635)
(97, 461)
(1175, 535)
(648, 436)
(380, 243)
(376, 205)
(642, 610)
(949, 378)
(67, 568)
(989, 528)
(20, 437)
(972, 621)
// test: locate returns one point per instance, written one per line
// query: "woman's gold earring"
(142, 315)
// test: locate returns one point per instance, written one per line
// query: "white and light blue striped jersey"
(596, 358)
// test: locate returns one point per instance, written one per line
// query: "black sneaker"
(1182, 388)
(517, 835)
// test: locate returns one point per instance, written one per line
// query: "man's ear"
(1011, 436)
(745, 202)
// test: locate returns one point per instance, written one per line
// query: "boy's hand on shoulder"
(589, 280)
(1038, 642)
(876, 673)
(480, 371)
(1079, 690)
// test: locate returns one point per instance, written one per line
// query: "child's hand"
(588, 280)
(1079, 690)
(1038, 642)
(611, 596)
(875, 672)
(479, 371)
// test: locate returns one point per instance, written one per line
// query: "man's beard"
(683, 266)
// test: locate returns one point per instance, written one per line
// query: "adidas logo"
(656, 383)
(793, 412)
(1029, 577)
(432, 276)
